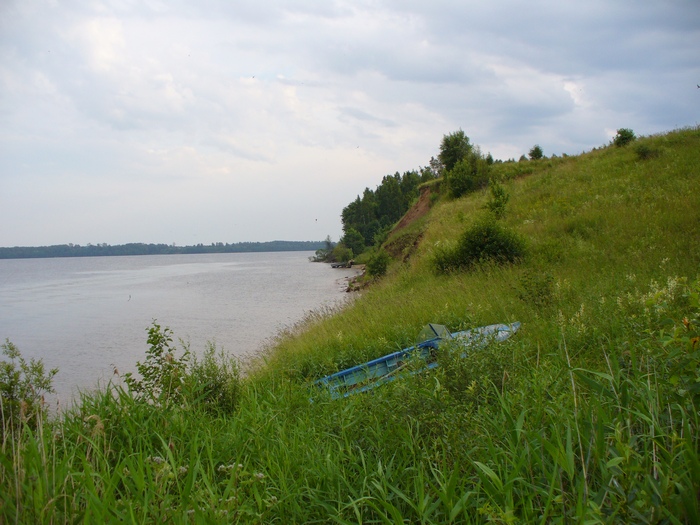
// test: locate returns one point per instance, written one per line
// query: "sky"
(187, 122)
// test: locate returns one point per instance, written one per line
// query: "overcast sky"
(254, 120)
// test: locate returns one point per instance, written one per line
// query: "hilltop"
(590, 413)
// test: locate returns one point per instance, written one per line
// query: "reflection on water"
(88, 316)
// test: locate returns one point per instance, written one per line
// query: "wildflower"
(155, 459)
(182, 471)
(259, 475)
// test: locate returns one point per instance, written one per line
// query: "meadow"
(589, 414)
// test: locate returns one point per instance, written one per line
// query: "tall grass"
(588, 415)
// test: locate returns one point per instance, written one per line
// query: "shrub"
(485, 241)
(22, 388)
(162, 374)
(645, 152)
(341, 253)
(624, 136)
(214, 381)
(499, 198)
(469, 174)
(378, 263)
(489, 241)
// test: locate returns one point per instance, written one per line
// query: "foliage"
(589, 414)
(536, 288)
(498, 199)
(213, 381)
(324, 254)
(378, 263)
(454, 148)
(484, 241)
(22, 388)
(354, 240)
(378, 210)
(623, 137)
(469, 174)
(536, 152)
(341, 253)
(646, 152)
(162, 373)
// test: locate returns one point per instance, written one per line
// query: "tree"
(536, 152)
(389, 199)
(454, 147)
(354, 240)
(624, 136)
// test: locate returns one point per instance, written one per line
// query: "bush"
(214, 381)
(485, 241)
(378, 263)
(489, 241)
(469, 174)
(499, 198)
(624, 136)
(341, 253)
(162, 374)
(645, 152)
(22, 389)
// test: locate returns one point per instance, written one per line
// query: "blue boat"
(370, 375)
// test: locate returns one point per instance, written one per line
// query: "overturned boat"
(370, 375)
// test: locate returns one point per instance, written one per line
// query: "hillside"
(590, 413)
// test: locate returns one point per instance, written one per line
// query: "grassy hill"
(588, 414)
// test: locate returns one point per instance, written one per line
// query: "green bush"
(489, 241)
(469, 174)
(341, 253)
(645, 152)
(624, 136)
(485, 241)
(499, 198)
(22, 389)
(378, 263)
(162, 374)
(213, 381)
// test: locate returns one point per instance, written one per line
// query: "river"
(88, 316)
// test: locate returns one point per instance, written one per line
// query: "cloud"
(227, 121)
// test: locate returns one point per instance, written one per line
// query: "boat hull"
(387, 368)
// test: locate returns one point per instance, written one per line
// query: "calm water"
(86, 316)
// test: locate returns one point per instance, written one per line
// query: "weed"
(22, 388)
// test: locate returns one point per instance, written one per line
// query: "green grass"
(590, 414)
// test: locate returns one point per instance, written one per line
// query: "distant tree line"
(94, 250)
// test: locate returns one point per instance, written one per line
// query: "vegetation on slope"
(588, 415)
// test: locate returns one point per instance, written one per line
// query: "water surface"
(88, 316)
